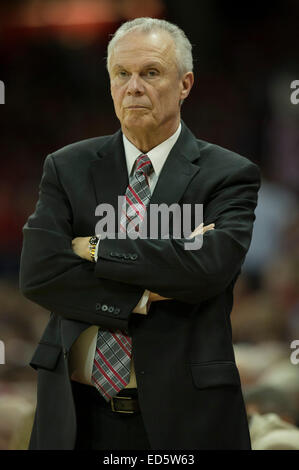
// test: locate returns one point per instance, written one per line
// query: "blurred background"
(52, 62)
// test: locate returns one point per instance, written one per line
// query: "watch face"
(93, 240)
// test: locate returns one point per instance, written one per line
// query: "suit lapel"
(178, 170)
(110, 176)
(109, 172)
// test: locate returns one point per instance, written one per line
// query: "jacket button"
(98, 307)
(65, 352)
(104, 308)
(142, 372)
(111, 309)
(127, 256)
(116, 311)
(134, 256)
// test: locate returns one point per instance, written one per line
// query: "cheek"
(165, 95)
(156, 98)
(170, 101)
(117, 96)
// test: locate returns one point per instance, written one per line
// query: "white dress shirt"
(83, 350)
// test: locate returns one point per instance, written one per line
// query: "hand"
(155, 297)
(201, 229)
(80, 246)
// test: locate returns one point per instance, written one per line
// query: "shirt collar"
(157, 155)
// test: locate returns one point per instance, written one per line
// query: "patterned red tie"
(112, 360)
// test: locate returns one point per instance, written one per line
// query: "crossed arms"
(55, 277)
(80, 246)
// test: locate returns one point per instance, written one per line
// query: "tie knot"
(143, 165)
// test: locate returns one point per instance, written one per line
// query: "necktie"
(112, 360)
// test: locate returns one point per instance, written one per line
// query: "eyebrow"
(146, 65)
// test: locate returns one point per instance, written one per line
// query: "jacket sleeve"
(164, 266)
(53, 276)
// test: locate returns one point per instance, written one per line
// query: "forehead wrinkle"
(127, 61)
(126, 48)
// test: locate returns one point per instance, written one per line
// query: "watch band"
(92, 243)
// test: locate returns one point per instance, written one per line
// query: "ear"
(187, 82)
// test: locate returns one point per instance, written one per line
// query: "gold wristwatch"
(92, 243)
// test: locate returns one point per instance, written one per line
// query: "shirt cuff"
(142, 306)
(96, 250)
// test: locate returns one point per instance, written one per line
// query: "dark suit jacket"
(188, 382)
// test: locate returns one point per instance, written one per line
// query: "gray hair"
(183, 47)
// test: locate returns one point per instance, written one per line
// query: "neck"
(147, 139)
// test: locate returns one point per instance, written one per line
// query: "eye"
(152, 72)
(122, 73)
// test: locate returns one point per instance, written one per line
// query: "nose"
(134, 86)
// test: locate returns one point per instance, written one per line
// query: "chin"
(137, 121)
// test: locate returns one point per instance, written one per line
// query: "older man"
(138, 350)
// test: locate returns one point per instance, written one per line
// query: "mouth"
(136, 107)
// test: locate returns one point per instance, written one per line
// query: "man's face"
(145, 84)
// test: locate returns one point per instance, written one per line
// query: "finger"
(209, 227)
(202, 231)
(197, 229)
(206, 227)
